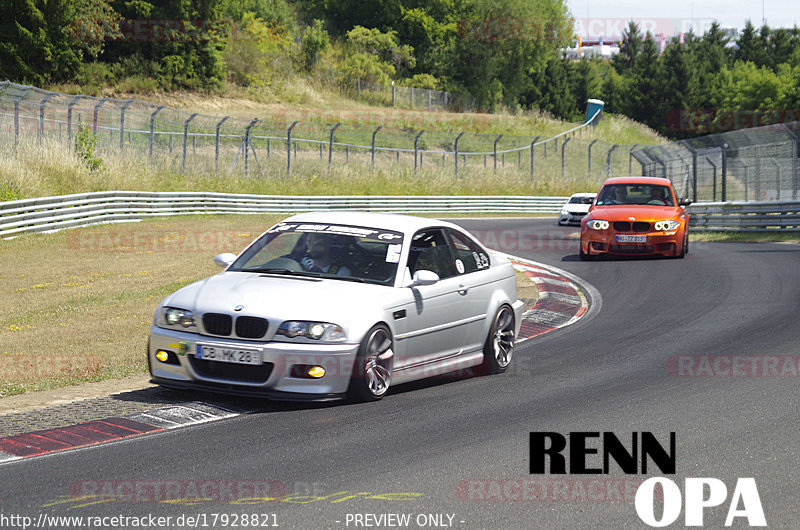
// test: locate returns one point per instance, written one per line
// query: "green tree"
(629, 50)
(747, 45)
(374, 57)
(676, 87)
(504, 46)
(314, 43)
(180, 43)
(35, 42)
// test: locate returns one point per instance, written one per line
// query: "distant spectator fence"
(196, 143)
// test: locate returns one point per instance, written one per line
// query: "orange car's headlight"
(598, 224)
(667, 226)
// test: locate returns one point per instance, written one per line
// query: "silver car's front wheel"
(372, 372)
(499, 347)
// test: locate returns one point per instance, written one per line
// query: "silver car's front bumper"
(273, 378)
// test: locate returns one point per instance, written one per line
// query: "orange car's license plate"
(631, 239)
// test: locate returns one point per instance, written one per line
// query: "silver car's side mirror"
(225, 259)
(424, 277)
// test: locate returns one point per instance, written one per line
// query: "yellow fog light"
(316, 372)
(162, 355)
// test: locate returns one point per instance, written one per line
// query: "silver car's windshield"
(349, 253)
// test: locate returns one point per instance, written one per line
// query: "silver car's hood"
(284, 297)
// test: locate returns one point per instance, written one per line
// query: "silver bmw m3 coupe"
(328, 305)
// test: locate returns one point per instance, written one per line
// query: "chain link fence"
(757, 164)
(200, 144)
(416, 98)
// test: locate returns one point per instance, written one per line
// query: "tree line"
(503, 53)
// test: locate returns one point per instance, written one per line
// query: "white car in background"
(575, 208)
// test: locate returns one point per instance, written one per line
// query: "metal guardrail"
(744, 216)
(84, 209)
(46, 214)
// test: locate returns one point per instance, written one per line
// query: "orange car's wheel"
(585, 256)
(684, 247)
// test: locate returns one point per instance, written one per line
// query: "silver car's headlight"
(564, 212)
(322, 331)
(178, 318)
(667, 226)
(597, 224)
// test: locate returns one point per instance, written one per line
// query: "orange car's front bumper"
(609, 241)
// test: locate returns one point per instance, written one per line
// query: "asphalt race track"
(455, 452)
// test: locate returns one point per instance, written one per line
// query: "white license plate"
(228, 355)
(631, 239)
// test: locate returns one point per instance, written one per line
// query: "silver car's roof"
(387, 221)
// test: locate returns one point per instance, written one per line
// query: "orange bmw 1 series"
(636, 216)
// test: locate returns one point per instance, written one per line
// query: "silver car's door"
(439, 314)
(477, 283)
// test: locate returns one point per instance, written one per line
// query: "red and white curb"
(94, 432)
(563, 300)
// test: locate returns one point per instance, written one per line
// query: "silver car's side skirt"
(441, 327)
(455, 363)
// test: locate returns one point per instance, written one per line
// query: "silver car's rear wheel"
(499, 347)
(372, 372)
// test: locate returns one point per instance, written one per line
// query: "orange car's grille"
(625, 226)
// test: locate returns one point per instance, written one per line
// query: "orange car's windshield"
(628, 194)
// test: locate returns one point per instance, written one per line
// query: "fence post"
(429, 100)
(41, 116)
(411, 97)
(714, 179)
(589, 158)
(777, 179)
(122, 124)
(289, 142)
(795, 176)
(246, 144)
(373, 145)
(186, 140)
(394, 96)
(456, 150)
(758, 175)
(416, 139)
(359, 88)
(94, 117)
(216, 144)
(694, 169)
(630, 158)
(609, 166)
(563, 156)
(533, 144)
(69, 120)
(724, 150)
(152, 130)
(495, 152)
(330, 141)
